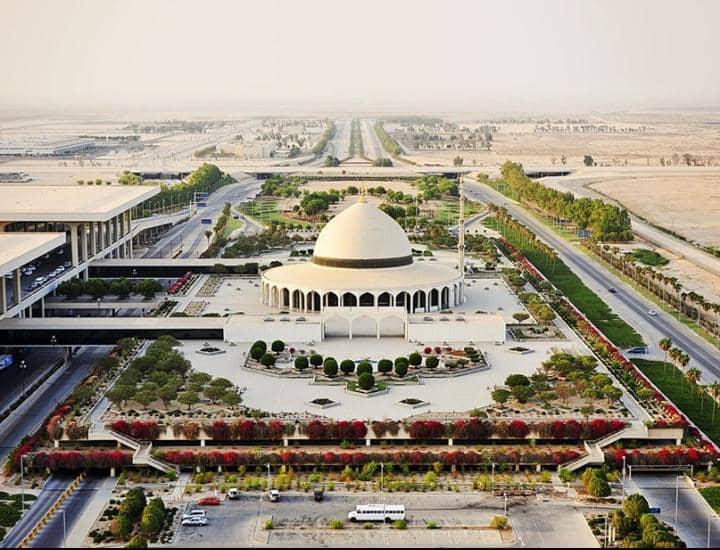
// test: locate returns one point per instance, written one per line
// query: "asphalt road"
(28, 417)
(53, 488)
(627, 303)
(12, 379)
(693, 510)
(371, 143)
(191, 233)
(338, 146)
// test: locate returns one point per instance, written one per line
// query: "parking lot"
(462, 520)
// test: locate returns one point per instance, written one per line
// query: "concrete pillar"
(101, 238)
(56, 443)
(450, 442)
(74, 248)
(116, 230)
(29, 313)
(286, 443)
(84, 242)
(202, 442)
(377, 328)
(368, 442)
(42, 307)
(112, 471)
(17, 286)
(3, 295)
(350, 328)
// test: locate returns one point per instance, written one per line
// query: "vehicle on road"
(209, 501)
(652, 312)
(377, 512)
(318, 493)
(640, 350)
(195, 520)
(274, 495)
(611, 290)
(195, 512)
(233, 494)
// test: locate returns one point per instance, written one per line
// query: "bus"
(377, 512)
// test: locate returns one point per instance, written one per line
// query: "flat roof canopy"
(18, 249)
(69, 203)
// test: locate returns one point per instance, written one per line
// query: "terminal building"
(49, 234)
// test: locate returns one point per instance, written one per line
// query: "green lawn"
(617, 330)
(265, 212)
(449, 210)
(649, 257)
(712, 495)
(672, 382)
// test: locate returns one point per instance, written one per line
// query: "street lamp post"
(22, 484)
(623, 478)
(98, 307)
(64, 528)
(382, 482)
(268, 469)
(505, 504)
(677, 493)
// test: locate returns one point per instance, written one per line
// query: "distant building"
(46, 148)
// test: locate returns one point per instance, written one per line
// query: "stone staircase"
(143, 449)
(594, 448)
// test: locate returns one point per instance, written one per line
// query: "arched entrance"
(367, 300)
(364, 326)
(392, 326)
(384, 300)
(349, 300)
(336, 326)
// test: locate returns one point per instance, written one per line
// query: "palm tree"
(683, 359)
(665, 344)
(714, 391)
(693, 376)
(702, 392)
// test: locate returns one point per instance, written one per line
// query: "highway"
(191, 233)
(338, 146)
(28, 417)
(627, 303)
(373, 148)
(53, 488)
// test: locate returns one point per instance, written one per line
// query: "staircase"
(143, 450)
(594, 449)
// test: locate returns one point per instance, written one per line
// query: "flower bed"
(57, 461)
(674, 456)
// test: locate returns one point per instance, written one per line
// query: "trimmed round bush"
(347, 366)
(278, 346)
(316, 360)
(366, 381)
(414, 359)
(260, 344)
(431, 362)
(268, 359)
(256, 352)
(330, 367)
(363, 367)
(517, 380)
(385, 366)
(399, 360)
(401, 369)
(301, 362)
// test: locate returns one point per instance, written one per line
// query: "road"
(338, 146)
(53, 488)
(12, 380)
(191, 233)
(627, 303)
(28, 417)
(693, 510)
(373, 148)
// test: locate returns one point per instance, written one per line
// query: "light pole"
(493, 477)
(382, 482)
(268, 469)
(23, 368)
(505, 504)
(677, 493)
(98, 307)
(623, 478)
(64, 528)
(22, 484)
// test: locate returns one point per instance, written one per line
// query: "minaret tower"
(461, 229)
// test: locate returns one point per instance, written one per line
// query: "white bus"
(377, 512)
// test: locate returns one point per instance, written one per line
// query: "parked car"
(274, 495)
(195, 512)
(209, 501)
(195, 520)
(318, 493)
(233, 494)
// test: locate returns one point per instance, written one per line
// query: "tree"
(188, 398)
(635, 506)
(122, 526)
(522, 393)
(500, 396)
(167, 393)
(278, 346)
(72, 288)
(316, 360)
(121, 288)
(384, 366)
(120, 394)
(714, 392)
(520, 317)
(431, 361)
(256, 352)
(347, 366)
(231, 398)
(693, 377)
(401, 369)
(138, 541)
(148, 288)
(665, 345)
(144, 397)
(517, 380)
(214, 393)
(208, 236)
(301, 362)
(97, 288)
(152, 520)
(268, 359)
(588, 160)
(134, 504)
(330, 367)
(366, 381)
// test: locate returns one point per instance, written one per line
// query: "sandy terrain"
(689, 205)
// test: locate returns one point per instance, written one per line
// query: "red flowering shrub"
(145, 430)
(58, 461)
(315, 429)
(473, 428)
(518, 429)
(427, 350)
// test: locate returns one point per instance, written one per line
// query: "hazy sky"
(443, 55)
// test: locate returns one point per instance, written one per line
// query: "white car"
(195, 513)
(652, 312)
(195, 520)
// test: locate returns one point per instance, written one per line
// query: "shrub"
(301, 362)
(330, 367)
(414, 359)
(401, 361)
(347, 366)
(499, 522)
(260, 344)
(336, 524)
(401, 369)
(366, 381)
(278, 346)
(385, 366)
(431, 361)
(316, 360)
(400, 524)
(364, 366)
(137, 541)
(267, 359)
(256, 352)
(269, 526)
(517, 380)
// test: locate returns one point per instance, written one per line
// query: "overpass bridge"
(167, 267)
(103, 331)
(358, 172)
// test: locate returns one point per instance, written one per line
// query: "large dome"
(362, 236)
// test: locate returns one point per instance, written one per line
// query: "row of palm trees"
(667, 288)
(693, 375)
